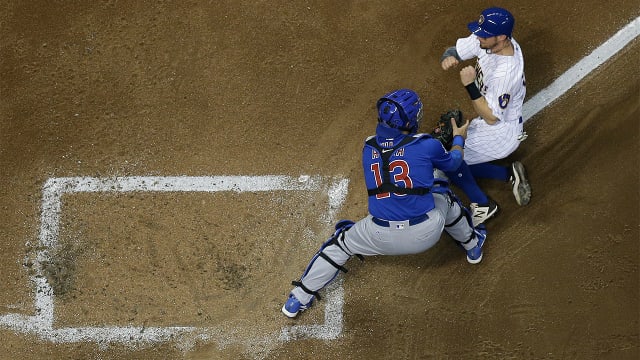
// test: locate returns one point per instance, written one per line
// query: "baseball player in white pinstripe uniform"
(497, 88)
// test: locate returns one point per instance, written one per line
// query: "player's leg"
(321, 270)
(482, 206)
(487, 143)
(364, 238)
(490, 171)
(515, 174)
(458, 226)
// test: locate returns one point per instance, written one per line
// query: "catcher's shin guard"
(340, 228)
(461, 228)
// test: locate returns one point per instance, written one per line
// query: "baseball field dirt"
(169, 167)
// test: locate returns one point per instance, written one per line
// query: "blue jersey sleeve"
(441, 158)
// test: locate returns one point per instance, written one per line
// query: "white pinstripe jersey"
(501, 81)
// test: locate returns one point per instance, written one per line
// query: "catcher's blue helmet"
(493, 22)
(400, 109)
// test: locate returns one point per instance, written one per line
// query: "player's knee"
(331, 256)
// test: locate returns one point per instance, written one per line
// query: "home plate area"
(119, 249)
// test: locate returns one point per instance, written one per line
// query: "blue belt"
(414, 221)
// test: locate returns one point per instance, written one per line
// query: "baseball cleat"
(292, 307)
(482, 213)
(474, 255)
(520, 184)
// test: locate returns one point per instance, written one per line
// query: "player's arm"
(450, 58)
(480, 105)
(465, 49)
(459, 136)
(451, 160)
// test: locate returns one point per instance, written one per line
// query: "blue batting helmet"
(493, 22)
(400, 109)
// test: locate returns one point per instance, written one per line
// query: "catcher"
(408, 208)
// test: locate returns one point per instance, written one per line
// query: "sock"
(463, 179)
(490, 171)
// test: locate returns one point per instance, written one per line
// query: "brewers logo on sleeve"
(503, 100)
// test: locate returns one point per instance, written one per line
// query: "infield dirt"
(195, 88)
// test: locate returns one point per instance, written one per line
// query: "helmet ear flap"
(386, 109)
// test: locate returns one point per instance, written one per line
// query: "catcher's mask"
(400, 109)
(493, 21)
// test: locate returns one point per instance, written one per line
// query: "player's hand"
(462, 130)
(449, 62)
(467, 75)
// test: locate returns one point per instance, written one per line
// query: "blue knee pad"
(343, 225)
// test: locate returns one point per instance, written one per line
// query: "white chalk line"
(581, 69)
(42, 324)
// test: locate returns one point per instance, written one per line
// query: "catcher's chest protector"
(385, 155)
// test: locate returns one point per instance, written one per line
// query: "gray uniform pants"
(368, 238)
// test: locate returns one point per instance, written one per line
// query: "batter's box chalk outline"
(42, 323)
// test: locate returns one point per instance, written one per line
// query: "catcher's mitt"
(443, 130)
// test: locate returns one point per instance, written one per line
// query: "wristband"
(473, 91)
(458, 140)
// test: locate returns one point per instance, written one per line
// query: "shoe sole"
(476, 261)
(521, 187)
(289, 314)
